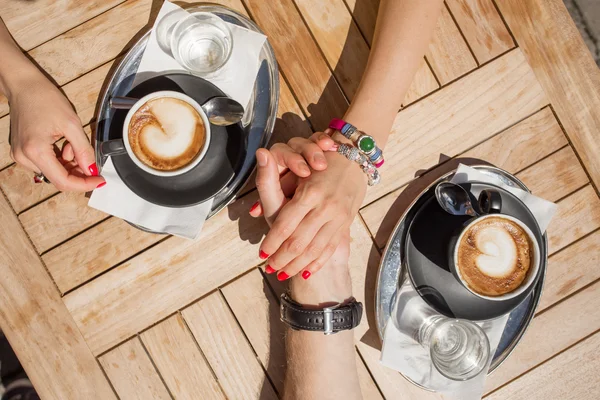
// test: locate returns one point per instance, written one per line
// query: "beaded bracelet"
(364, 142)
(354, 154)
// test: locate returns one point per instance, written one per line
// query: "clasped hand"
(325, 191)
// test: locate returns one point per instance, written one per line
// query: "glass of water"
(201, 42)
(459, 349)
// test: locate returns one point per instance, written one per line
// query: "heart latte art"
(166, 133)
(494, 256)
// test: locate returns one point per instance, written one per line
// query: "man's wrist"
(328, 286)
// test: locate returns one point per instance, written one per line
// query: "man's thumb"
(268, 185)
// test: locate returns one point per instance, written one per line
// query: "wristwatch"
(329, 320)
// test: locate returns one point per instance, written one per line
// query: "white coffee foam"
(499, 250)
(178, 121)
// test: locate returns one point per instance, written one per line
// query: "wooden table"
(97, 309)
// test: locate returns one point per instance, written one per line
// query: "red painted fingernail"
(93, 168)
(282, 276)
(306, 274)
(254, 206)
(101, 184)
(269, 269)
(36, 179)
(263, 255)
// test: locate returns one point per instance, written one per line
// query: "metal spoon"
(222, 111)
(454, 199)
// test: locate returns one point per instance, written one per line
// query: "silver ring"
(39, 178)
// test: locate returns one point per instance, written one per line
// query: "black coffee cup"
(490, 205)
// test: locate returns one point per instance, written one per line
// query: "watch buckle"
(328, 319)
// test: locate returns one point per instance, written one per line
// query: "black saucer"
(427, 249)
(225, 156)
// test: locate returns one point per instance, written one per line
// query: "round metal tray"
(393, 272)
(259, 118)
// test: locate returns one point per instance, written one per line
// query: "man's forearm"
(402, 34)
(15, 68)
(319, 366)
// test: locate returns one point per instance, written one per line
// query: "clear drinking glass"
(201, 42)
(459, 349)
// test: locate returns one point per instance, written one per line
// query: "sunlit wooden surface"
(97, 309)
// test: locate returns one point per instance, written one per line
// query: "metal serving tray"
(259, 119)
(393, 272)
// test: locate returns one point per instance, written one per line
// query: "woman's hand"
(292, 160)
(40, 115)
(309, 228)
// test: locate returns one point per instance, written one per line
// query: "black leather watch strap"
(328, 320)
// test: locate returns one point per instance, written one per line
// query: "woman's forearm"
(402, 34)
(15, 67)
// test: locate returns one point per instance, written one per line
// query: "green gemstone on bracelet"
(366, 143)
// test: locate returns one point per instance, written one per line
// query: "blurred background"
(586, 14)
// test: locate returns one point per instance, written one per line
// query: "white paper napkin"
(401, 351)
(236, 79)
(117, 199)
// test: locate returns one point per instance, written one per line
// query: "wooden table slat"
(577, 215)
(132, 373)
(34, 22)
(571, 269)
(227, 350)
(482, 26)
(179, 361)
(551, 332)
(564, 67)
(79, 260)
(37, 323)
(448, 54)
(339, 39)
(58, 219)
(565, 170)
(570, 375)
